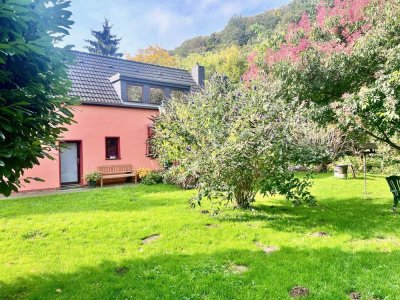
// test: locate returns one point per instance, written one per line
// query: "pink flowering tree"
(342, 61)
(335, 29)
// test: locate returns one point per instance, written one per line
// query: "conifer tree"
(104, 42)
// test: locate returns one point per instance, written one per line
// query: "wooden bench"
(394, 184)
(116, 171)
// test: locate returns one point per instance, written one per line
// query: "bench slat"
(116, 171)
(118, 175)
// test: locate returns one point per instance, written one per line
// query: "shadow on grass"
(361, 218)
(330, 175)
(341, 209)
(328, 273)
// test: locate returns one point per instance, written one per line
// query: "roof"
(90, 75)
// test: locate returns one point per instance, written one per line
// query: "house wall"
(93, 124)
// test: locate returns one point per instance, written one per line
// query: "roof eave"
(121, 77)
(124, 105)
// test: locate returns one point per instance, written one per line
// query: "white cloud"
(164, 21)
(141, 23)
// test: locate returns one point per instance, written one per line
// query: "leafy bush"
(34, 89)
(236, 140)
(393, 169)
(354, 160)
(179, 176)
(386, 161)
(320, 145)
(92, 176)
(152, 177)
(143, 172)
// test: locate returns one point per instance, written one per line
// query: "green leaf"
(33, 78)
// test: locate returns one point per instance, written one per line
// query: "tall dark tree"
(33, 84)
(104, 42)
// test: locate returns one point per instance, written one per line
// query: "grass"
(88, 245)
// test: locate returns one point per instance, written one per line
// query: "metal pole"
(365, 174)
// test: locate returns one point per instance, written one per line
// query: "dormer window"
(177, 94)
(156, 95)
(135, 93)
(143, 93)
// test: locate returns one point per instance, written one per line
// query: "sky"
(141, 23)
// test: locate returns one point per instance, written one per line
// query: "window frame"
(135, 85)
(177, 90)
(162, 88)
(118, 147)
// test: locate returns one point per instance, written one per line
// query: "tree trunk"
(244, 198)
(322, 168)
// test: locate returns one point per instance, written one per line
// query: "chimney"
(199, 74)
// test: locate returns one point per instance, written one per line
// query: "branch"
(385, 139)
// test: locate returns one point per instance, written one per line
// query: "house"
(113, 122)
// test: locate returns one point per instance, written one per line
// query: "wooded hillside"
(241, 31)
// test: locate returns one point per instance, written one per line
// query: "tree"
(229, 61)
(320, 146)
(374, 108)
(34, 84)
(235, 140)
(237, 32)
(198, 44)
(345, 62)
(240, 30)
(154, 55)
(104, 42)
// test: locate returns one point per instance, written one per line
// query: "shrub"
(236, 140)
(143, 172)
(393, 169)
(354, 160)
(92, 176)
(386, 161)
(152, 177)
(320, 145)
(179, 176)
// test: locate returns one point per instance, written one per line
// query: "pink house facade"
(113, 122)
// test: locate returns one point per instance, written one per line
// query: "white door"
(69, 163)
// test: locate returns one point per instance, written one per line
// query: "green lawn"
(88, 245)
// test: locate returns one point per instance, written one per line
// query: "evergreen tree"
(104, 43)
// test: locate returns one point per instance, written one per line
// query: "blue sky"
(141, 23)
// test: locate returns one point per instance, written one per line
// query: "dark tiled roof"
(90, 75)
